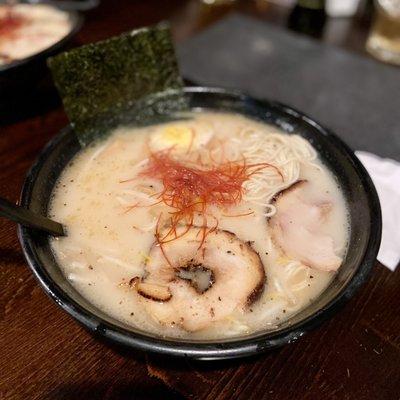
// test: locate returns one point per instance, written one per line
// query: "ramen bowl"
(365, 234)
(21, 80)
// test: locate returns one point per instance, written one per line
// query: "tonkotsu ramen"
(27, 29)
(208, 227)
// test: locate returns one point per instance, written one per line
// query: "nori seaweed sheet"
(128, 79)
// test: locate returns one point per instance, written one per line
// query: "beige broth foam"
(107, 246)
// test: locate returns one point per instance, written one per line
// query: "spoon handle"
(28, 218)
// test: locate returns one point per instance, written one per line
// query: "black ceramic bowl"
(364, 241)
(22, 80)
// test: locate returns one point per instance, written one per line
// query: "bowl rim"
(207, 350)
(76, 20)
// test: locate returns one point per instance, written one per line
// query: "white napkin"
(341, 8)
(385, 174)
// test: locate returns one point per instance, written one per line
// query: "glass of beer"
(384, 38)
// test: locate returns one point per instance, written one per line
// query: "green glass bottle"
(308, 17)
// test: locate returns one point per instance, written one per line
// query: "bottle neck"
(312, 4)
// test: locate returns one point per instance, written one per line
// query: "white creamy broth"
(108, 204)
(27, 29)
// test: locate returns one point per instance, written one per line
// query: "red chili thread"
(190, 190)
(10, 23)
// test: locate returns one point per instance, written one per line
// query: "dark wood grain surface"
(45, 354)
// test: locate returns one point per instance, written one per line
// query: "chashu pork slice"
(200, 285)
(297, 229)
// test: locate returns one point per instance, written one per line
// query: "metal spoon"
(30, 219)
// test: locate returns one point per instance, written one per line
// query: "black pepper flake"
(219, 298)
(311, 277)
(134, 281)
(229, 252)
(132, 313)
(266, 253)
(90, 266)
(284, 311)
(71, 180)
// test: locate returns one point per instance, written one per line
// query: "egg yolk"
(179, 136)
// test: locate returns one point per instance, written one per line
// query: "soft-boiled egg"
(181, 137)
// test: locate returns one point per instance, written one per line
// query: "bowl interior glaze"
(360, 194)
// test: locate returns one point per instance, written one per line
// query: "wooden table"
(45, 354)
